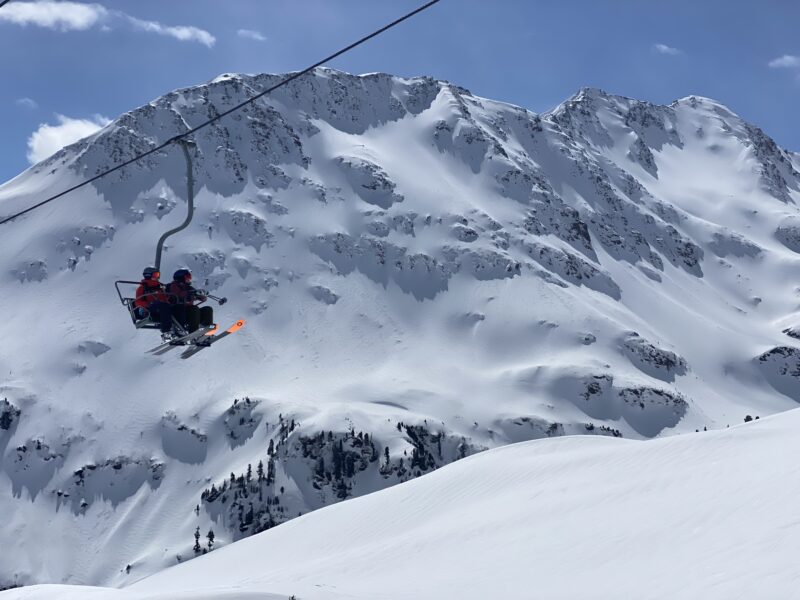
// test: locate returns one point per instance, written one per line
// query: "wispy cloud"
(76, 16)
(787, 61)
(28, 103)
(49, 139)
(664, 49)
(183, 33)
(251, 34)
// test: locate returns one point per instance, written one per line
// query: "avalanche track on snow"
(425, 274)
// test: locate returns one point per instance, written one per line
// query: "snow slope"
(425, 274)
(706, 515)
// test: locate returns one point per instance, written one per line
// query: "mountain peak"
(597, 98)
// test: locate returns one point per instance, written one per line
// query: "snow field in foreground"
(708, 515)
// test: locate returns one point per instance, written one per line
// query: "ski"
(212, 339)
(179, 341)
(182, 341)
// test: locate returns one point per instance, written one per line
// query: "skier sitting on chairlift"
(185, 297)
(152, 300)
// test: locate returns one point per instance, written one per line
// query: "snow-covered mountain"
(708, 515)
(425, 274)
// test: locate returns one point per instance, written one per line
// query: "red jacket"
(150, 291)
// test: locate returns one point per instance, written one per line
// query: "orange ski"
(211, 338)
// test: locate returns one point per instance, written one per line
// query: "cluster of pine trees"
(604, 430)
(198, 549)
(337, 458)
(255, 499)
(250, 502)
(429, 451)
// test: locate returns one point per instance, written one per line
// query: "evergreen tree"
(196, 546)
(209, 536)
(271, 449)
(373, 452)
(249, 472)
(341, 490)
(337, 460)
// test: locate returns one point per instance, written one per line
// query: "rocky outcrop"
(9, 415)
(647, 410)
(369, 181)
(113, 480)
(240, 421)
(181, 441)
(780, 366)
(650, 359)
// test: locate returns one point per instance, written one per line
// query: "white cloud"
(181, 32)
(252, 35)
(63, 16)
(664, 49)
(29, 103)
(49, 139)
(787, 61)
(76, 16)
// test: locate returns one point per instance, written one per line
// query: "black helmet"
(182, 275)
(151, 273)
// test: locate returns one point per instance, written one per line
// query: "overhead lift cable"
(250, 100)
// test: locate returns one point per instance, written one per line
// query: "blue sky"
(68, 67)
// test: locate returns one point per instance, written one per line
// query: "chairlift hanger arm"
(184, 143)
